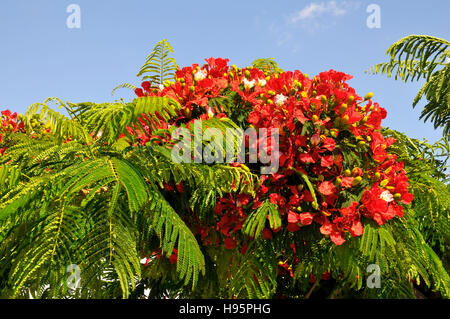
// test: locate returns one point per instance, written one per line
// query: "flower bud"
(192, 89)
(364, 119)
(338, 181)
(377, 176)
(356, 171)
(384, 182)
(368, 96)
(315, 118)
(347, 173)
(334, 133)
(356, 181)
(343, 108)
(247, 74)
(187, 112)
(350, 99)
(345, 119)
(397, 196)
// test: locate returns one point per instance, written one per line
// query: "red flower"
(306, 218)
(229, 243)
(327, 188)
(267, 233)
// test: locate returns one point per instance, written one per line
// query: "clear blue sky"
(41, 57)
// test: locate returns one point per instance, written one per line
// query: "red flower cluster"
(9, 123)
(330, 146)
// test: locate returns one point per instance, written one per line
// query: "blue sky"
(41, 57)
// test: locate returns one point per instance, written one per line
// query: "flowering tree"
(100, 189)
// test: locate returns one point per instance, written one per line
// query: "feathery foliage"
(417, 57)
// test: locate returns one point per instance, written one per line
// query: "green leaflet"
(254, 224)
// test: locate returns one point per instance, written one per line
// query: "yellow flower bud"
(350, 99)
(356, 181)
(368, 96)
(364, 119)
(345, 119)
(384, 182)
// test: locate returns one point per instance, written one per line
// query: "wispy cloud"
(317, 14)
(314, 10)
(314, 17)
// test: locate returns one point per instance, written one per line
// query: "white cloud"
(309, 20)
(316, 10)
